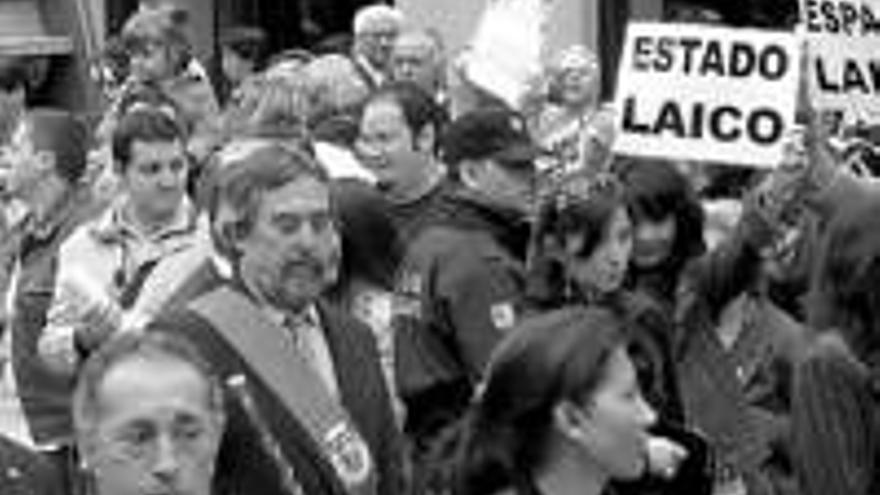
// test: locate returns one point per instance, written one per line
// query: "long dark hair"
(655, 190)
(581, 206)
(561, 355)
(845, 295)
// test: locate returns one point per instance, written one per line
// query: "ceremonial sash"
(267, 349)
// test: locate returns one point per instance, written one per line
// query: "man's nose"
(307, 235)
(166, 462)
(168, 177)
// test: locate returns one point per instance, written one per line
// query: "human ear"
(571, 420)
(471, 172)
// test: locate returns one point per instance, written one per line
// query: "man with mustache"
(319, 412)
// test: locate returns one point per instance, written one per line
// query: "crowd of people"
(353, 271)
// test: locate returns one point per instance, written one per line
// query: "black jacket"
(463, 277)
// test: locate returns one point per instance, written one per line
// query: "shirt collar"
(114, 226)
(309, 317)
(375, 73)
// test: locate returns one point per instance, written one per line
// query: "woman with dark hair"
(581, 253)
(733, 381)
(836, 400)
(583, 214)
(561, 411)
(371, 252)
(667, 226)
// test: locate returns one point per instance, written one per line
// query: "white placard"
(706, 93)
(844, 56)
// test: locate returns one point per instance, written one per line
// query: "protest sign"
(843, 39)
(706, 93)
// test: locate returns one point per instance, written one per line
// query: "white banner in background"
(706, 93)
(843, 38)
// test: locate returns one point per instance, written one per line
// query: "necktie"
(306, 334)
(298, 326)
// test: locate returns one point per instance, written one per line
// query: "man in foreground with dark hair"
(149, 416)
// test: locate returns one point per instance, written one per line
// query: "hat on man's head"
(493, 133)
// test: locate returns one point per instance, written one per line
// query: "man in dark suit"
(310, 402)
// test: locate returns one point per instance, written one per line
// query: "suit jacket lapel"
(346, 361)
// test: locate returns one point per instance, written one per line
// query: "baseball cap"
(494, 133)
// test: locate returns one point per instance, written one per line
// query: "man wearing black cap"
(462, 276)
